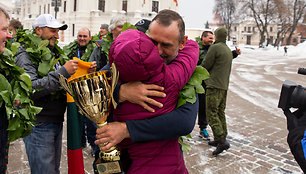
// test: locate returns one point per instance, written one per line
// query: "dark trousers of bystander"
(89, 133)
(3, 139)
(202, 120)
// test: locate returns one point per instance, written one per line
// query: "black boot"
(213, 143)
(221, 147)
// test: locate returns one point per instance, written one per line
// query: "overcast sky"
(196, 12)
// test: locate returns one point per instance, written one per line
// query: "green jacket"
(218, 61)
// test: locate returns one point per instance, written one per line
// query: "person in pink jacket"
(138, 59)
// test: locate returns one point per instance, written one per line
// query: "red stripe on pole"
(75, 161)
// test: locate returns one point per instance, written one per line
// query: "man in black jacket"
(43, 145)
(207, 39)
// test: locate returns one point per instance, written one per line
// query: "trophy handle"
(63, 82)
(115, 76)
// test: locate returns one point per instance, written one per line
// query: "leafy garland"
(21, 118)
(71, 48)
(199, 41)
(39, 52)
(97, 36)
(189, 94)
(41, 55)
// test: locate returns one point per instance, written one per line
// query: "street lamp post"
(279, 29)
(55, 9)
(56, 4)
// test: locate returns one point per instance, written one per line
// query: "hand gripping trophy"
(93, 95)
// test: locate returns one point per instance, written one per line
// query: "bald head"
(84, 36)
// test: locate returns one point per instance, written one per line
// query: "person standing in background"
(98, 54)
(14, 26)
(82, 48)
(103, 31)
(285, 50)
(207, 40)
(218, 62)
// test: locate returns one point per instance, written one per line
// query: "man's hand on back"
(140, 93)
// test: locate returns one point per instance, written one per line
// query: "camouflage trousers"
(215, 107)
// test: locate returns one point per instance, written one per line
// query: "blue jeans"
(43, 147)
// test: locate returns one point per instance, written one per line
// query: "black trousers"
(3, 138)
(202, 122)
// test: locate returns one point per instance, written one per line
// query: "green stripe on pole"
(74, 127)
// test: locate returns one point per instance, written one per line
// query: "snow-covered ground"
(256, 126)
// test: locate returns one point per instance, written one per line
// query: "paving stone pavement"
(257, 128)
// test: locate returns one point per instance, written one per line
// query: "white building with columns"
(90, 13)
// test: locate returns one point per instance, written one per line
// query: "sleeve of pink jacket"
(183, 66)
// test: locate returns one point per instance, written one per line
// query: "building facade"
(90, 13)
(247, 33)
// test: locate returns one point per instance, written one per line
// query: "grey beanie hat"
(104, 26)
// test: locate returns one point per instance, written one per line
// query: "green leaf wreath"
(189, 94)
(39, 52)
(71, 48)
(18, 87)
(41, 55)
(199, 41)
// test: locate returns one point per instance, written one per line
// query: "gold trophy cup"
(93, 95)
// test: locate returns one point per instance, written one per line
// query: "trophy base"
(109, 167)
(109, 162)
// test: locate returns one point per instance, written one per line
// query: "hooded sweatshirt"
(137, 58)
(218, 61)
